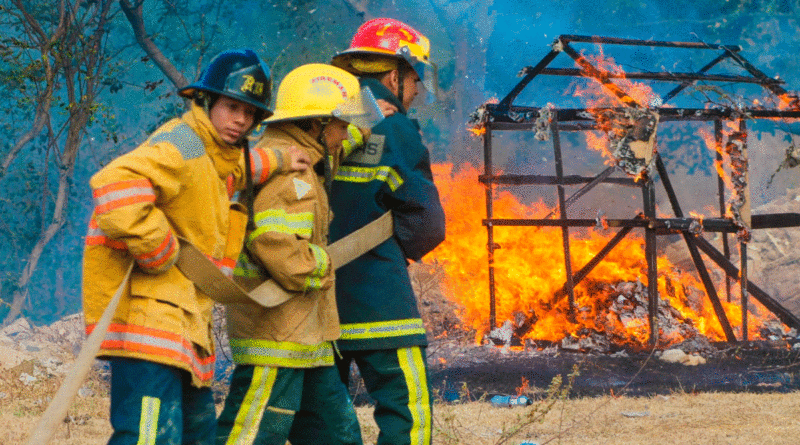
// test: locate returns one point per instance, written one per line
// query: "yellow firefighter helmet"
(317, 91)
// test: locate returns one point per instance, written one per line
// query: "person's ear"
(392, 81)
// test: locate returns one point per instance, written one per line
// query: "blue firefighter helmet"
(239, 74)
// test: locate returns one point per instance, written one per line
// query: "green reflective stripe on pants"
(148, 422)
(245, 427)
(381, 329)
(413, 367)
(305, 406)
(397, 380)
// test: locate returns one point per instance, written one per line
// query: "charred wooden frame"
(505, 116)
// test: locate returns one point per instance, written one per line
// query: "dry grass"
(680, 418)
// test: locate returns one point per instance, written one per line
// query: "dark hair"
(205, 98)
(305, 124)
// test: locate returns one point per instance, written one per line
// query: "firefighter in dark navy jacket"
(381, 328)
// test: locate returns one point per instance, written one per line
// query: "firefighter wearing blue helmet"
(178, 183)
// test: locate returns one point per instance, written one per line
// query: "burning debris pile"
(611, 303)
(620, 323)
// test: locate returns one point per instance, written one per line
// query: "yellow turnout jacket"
(288, 245)
(177, 183)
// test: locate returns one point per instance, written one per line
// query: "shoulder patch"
(301, 187)
(183, 138)
(371, 152)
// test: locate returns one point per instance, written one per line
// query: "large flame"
(529, 270)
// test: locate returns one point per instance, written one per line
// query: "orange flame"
(477, 131)
(529, 271)
(600, 98)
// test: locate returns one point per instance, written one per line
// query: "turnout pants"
(398, 381)
(268, 405)
(155, 404)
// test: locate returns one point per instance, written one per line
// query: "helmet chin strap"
(248, 189)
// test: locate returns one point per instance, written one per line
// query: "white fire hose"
(43, 432)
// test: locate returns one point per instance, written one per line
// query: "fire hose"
(46, 427)
(211, 281)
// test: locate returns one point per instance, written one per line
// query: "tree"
(53, 67)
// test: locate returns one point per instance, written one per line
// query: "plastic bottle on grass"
(509, 401)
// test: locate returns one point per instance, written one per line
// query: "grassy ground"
(678, 418)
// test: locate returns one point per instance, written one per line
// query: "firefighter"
(177, 183)
(285, 385)
(381, 328)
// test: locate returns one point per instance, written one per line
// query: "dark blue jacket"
(377, 306)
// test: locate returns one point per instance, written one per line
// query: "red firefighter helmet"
(379, 41)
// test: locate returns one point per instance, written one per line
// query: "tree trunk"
(81, 73)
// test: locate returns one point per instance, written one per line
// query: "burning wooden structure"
(631, 129)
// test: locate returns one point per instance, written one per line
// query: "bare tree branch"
(43, 100)
(133, 12)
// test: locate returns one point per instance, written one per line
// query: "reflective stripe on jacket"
(377, 306)
(291, 218)
(177, 183)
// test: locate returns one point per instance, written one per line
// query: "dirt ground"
(34, 361)
(678, 418)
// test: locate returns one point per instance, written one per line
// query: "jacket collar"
(225, 156)
(381, 92)
(294, 135)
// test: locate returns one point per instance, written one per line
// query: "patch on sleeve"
(183, 138)
(301, 187)
(371, 152)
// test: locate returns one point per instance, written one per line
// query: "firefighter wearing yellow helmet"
(284, 385)
(382, 330)
(178, 183)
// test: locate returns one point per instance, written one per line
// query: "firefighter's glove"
(355, 140)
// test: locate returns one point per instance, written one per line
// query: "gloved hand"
(355, 140)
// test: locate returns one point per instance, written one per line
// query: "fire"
(477, 131)
(621, 109)
(529, 271)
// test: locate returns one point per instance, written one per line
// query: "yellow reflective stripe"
(246, 268)
(281, 353)
(313, 279)
(381, 329)
(148, 420)
(351, 173)
(411, 363)
(245, 427)
(277, 220)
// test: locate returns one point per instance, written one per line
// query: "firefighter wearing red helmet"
(381, 328)
(178, 183)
